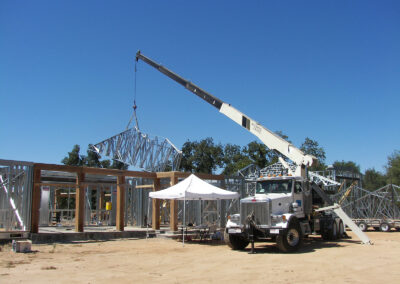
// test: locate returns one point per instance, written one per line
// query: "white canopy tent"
(193, 188)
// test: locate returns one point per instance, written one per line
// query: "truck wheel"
(363, 226)
(292, 238)
(341, 229)
(333, 232)
(235, 242)
(325, 235)
(384, 227)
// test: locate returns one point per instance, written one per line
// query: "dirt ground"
(167, 261)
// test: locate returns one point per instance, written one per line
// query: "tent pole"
(184, 221)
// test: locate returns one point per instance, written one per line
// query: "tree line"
(205, 156)
(74, 158)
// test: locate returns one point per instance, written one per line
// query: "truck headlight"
(235, 218)
(278, 218)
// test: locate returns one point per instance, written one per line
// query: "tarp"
(193, 188)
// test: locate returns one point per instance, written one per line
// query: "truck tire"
(384, 227)
(325, 235)
(235, 242)
(330, 233)
(363, 226)
(341, 229)
(292, 238)
(334, 231)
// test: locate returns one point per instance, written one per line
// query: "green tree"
(373, 179)
(201, 157)
(92, 158)
(106, 164)
(346, 166)
(118, 165)
(260, 155)
(283, 135)
(74, 158)
(188, 150)
(393, 168)
(234, 159)
(257, 153)
(311, 147)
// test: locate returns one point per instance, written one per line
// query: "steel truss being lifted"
(137, 149)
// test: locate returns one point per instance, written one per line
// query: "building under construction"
(38, 198)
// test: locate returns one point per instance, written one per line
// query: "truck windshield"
(274, 186)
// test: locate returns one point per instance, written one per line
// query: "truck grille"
(261, 211)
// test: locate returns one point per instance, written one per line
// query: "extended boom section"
(187, 84)
(269, 138)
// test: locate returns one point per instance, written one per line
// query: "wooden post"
(173, 213)
(156, 206)
(36, 195)
(79, 202)
(120, 222)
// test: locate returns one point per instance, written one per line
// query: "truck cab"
(287, 194)
(279, 210)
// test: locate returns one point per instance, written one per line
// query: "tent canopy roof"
(193, 188)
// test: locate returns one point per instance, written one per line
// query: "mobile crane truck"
(283, 208)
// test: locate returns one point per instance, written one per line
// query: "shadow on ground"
(309, 245)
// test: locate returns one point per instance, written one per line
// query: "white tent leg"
(184, 221)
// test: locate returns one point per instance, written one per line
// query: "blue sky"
(328, 70)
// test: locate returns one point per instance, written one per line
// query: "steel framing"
(382, 203)
(137, 149)
(15, 195)
(22, 184)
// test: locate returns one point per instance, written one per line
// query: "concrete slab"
(67, 234)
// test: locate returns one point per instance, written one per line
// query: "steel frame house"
(23, 185)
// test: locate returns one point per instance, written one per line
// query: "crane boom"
(269, 138)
